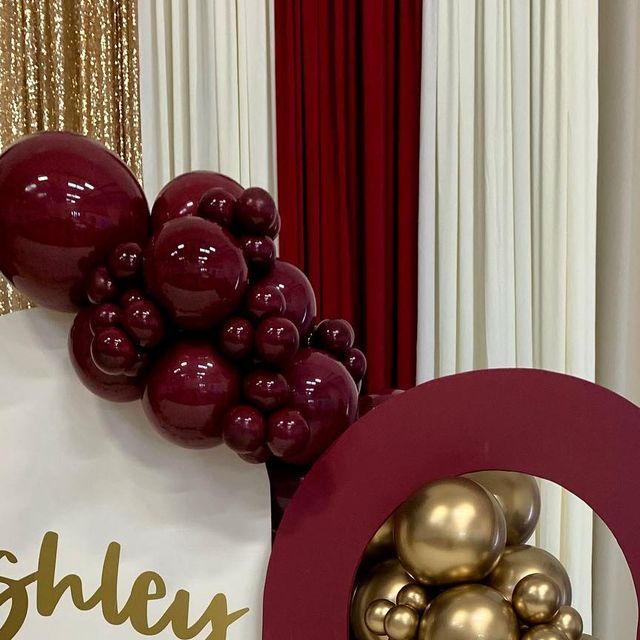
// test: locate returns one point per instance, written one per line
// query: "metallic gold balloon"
(450, 531)
(521, 561)
(401, 623)
(382, 582)
(375, 614)
(414, 596)
(519, 496)
(536, 599)
(469, 612)
(569, 621)
(381, 546)
(544, 632)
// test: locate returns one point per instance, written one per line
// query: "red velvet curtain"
(348, 106)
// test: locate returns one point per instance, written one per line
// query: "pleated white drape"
(206, 90)
(508, 208)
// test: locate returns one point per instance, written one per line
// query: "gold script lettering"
(147, 587)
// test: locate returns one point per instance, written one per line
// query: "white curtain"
(508, 208)
(206, 90)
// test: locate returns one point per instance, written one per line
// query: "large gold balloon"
(536, 599)
(382, 582)
(469, 612)
(401, 623)
(519, 496)
(375, 614)
(544, 632)
(569, 621)
(523, 560)
(450, 531)
(381, 546)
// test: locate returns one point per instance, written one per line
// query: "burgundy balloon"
(140, 364)
(103, 316)
(335, 336)
(259, 252)
(196, 271)
(244, 429)
(125, 260)
(144, 322)
(217, 205)
(236, 338)
(267, 390)
(256, 211)
(325, 394)
(101, 287)
(298, 294)
(130, 296)
(277, 340)
(181, 196)
(189, 390)
(356, 364)
(259, 456)
(65, 202)
(112, 351)
(288, 434)
(263, 300)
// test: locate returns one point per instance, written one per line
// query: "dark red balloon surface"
(65, 203)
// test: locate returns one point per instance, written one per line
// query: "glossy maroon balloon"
(236, 338)
(65, 203)
(264, 300)
(356, 364)
(298, 294)
(322, 390)
(144, 322)
(288, 434)
(125, 261)
(217, 205)
(266, 390)
(181, 196)
(119, 388)
(132, 295)
(256, 211)
(113, 351)
(103, 316)
(259, 456)
(101, 287)
(189, 390)
(196, 271)
(259, 252)
(335, 336)
(277, 340)
(244, 429)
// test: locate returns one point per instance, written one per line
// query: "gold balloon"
(382, 582)
(544, 632)
(521, 561)
(450, 531)
(536, 599)
(414, 596)
(381, 546)
(518, 495)
(469, 612)
(401, 623)
(375, 614)
(569, 621)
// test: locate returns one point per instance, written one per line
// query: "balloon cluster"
(452, 563)
(188, 307)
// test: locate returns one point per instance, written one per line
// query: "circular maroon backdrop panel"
(575, 433)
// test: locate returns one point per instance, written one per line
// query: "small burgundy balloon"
(189, 390)
(356, 364)
(236, 338)
(181, 196)
(217, 205)
(118, 388)
(259, 252)
(244, 429)
(65, 202)
(103, 316)
(298, 294)
(334, 336)
(259, 456)
(101, 287)
(196, 271)
(130, 296)
(256, 211)
(112, 351)
(263, 301)
(266, 390)
(144, 322)
(125, 260)
(288, 434)
(277, 340)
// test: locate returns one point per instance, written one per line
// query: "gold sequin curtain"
(73, 65)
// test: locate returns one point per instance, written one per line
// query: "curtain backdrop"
(508, 208)
(205, 90)
(348, 85)
(61, 68)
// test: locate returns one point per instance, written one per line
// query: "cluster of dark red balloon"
(197, 314)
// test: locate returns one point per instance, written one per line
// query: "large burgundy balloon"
(181, 196)
(298, 294)
(189, 390)
(118, 388)
(322, 390)
(65, 203)
(196, 271)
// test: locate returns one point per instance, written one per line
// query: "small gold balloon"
(569, 621)
(382, 582)
(450, 531)
(469, 612)
(536, 599)
(544, 632)
(518, 495)
(401, 623)
(381, 546)
(414, 596)
(521, 561)
(375, 614)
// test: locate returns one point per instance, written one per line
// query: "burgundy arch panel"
(575, 433)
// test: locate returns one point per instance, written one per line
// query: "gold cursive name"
(147, 586)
